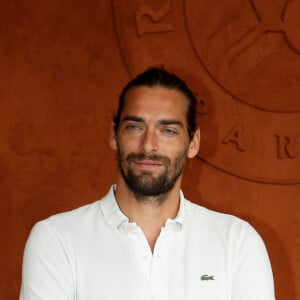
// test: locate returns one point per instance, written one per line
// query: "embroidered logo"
(206, 277)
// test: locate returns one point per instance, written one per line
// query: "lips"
(147, 164)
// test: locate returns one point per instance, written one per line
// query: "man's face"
(152, 140)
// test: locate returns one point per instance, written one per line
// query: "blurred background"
(62, 67)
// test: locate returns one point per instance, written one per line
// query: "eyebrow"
(133, 118)
(161, 122)
(171, 122)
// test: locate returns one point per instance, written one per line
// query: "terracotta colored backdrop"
(62, 65)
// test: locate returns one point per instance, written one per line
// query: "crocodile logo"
(206, 277)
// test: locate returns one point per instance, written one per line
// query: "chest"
(183, 265)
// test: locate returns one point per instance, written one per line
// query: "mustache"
(143, 156)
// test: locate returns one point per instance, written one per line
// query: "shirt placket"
(140, 249)
(158, 273)
(153, 265)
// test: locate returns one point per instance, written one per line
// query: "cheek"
(130, 139)
(179, 159)
(126, 145)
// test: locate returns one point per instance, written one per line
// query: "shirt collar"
(111, 210)
(181, 215)
(115, 217)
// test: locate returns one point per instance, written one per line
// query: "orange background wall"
(62, 66)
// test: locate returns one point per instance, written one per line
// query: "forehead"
(155, 103)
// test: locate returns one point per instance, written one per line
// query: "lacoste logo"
(206, 277)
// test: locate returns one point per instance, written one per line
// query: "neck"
(150, 213)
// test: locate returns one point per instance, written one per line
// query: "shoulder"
(228, 234)
(74, 223)
(80, 215)
(208, 216)
(226, 226)
(62, 229)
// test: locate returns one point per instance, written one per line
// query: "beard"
(144, 185)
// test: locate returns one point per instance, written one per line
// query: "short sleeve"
(252, 273)
(47, 272)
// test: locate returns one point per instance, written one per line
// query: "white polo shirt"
(95, 253)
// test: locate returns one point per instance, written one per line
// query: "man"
(144, 240)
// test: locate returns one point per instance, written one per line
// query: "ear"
(112, 137)
(194, 144)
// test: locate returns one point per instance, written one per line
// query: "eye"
(132, 127)
(169, 131)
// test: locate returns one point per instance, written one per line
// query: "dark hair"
(156, 76)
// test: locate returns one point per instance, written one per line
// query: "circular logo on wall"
(242, 60)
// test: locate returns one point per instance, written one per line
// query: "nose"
(149, 141)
